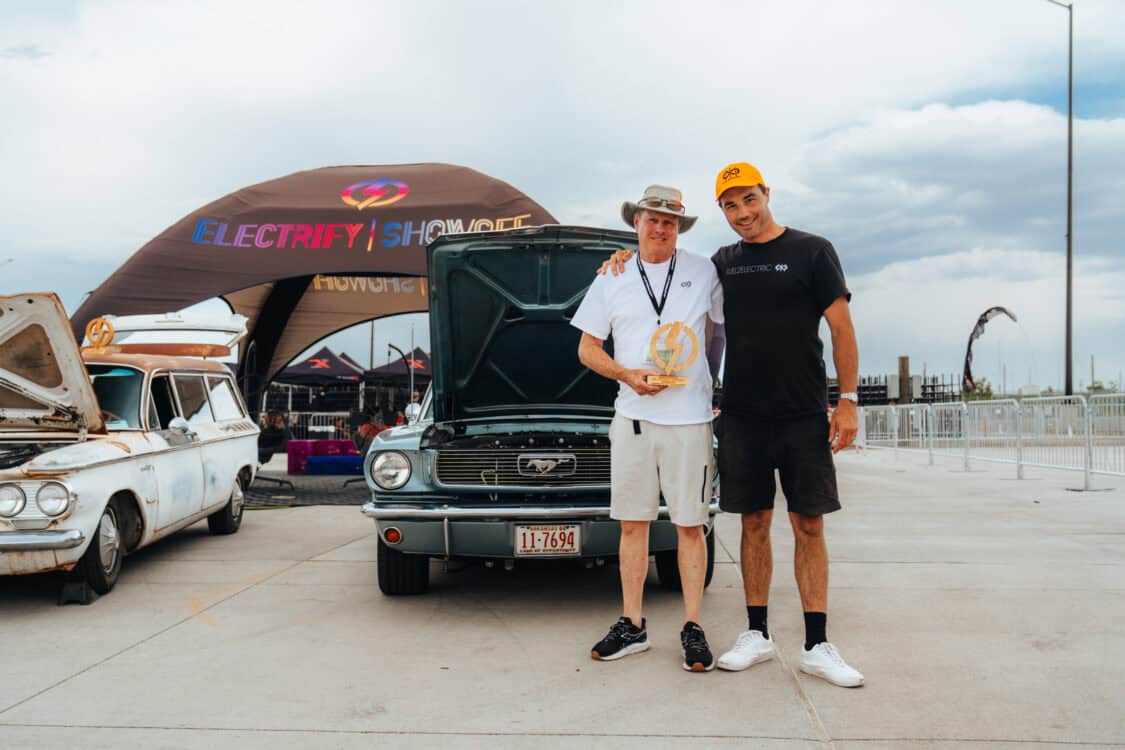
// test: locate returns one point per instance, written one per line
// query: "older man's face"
(657, 232)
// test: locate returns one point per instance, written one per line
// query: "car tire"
(100, 564)
(401, 574)
(228, 519)
(668, 566)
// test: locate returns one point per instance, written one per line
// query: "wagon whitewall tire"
(101, 563)
(228, 519)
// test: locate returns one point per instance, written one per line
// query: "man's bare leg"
(633, 552)
(757, 557)
(810, 561)
(692, 557)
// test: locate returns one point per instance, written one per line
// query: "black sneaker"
(697, 656)
(624, 638)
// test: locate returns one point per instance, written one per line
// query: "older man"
(661, 434)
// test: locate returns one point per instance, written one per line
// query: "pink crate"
(299, 452)
(334, 448)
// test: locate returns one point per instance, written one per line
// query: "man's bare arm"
(845, 353)
(592, 353)
(616, 263)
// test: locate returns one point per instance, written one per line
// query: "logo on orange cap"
(739, 174)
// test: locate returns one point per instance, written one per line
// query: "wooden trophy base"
(666, 380)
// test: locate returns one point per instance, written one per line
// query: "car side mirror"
(180, 425)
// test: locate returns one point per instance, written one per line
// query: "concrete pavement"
(984, 612)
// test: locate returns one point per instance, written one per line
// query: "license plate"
(548, 539)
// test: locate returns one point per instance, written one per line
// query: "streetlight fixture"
(1069, 184)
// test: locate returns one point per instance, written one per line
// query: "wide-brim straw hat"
(663, 200)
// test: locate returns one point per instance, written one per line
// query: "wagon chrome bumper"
(23, 541)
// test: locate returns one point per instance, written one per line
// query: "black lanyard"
(658, 307)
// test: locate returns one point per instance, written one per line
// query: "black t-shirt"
(774, 294)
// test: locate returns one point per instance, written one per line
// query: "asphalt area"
(984, 612)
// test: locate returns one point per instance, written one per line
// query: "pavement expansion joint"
(810, 708)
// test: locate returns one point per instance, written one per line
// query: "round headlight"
(12, 500)
(390, 470)
(53, 499)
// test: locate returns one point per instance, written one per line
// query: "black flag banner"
(967, 383)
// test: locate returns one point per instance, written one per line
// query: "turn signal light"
(392, 536)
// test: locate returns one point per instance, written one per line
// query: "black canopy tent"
(310, 254)
(399, 370)
(323, 368)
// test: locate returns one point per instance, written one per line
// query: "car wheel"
(401, 574)
(101, 563)
(668, 566)
(227, 519)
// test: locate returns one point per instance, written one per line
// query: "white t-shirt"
(619, 305)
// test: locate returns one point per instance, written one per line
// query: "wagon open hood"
(500, 310)
(43, 382)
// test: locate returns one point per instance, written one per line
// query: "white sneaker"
(751, 648)
(824, 661)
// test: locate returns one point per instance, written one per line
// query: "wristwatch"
(849, 396)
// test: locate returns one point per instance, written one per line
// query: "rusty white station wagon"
(105, 450)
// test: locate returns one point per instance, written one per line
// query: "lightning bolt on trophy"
(676, 336)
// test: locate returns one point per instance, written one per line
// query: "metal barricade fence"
(1107, 434)
(329, 425)
(912, 426)
(994, 432)
(949, 431)
(878, 426)
(1056, 433)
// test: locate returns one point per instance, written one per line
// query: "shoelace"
(620, 628)
(745, 639)
(694, 639)
(834, 655)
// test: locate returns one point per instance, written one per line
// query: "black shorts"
(749, 451)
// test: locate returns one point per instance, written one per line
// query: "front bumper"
(25, 541)
(483, 531)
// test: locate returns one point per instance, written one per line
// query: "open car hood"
(43, 381)
(500, 311)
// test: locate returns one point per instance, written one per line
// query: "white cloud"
(128, 115)
(925, 308)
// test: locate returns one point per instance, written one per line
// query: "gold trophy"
(668, 357)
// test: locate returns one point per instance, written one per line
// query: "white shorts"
(648, 459)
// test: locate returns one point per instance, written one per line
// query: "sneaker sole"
(728, 667)
(698, 667)
(826, 678)
(635, 648)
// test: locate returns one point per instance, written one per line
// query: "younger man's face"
(747, 210)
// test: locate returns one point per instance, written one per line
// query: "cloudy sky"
(927, 140)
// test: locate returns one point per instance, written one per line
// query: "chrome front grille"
(517, 467)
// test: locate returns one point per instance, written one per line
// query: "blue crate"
(322, 465)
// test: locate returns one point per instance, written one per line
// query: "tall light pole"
(1069, 185)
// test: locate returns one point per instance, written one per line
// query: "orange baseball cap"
(739, 174)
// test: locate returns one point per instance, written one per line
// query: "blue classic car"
(510, 456)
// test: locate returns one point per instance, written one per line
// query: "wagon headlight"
(53, 499)
(390, 470)
(12, 500)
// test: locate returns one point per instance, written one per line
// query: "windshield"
(119, 395)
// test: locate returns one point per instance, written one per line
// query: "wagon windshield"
(119, 395)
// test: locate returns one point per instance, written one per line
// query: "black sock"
(757, 619)
(816, 623)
